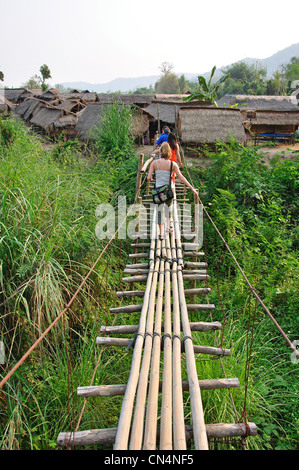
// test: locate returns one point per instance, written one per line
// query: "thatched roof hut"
(199, 124)
(87, 96)
(283, 118)
(50, 94)
(90, 118)
(72, 105)
(252, 102)
(274, 125)
(45, 117)
(129, 99)
(28, 107)
(5, 104)
(17, 95)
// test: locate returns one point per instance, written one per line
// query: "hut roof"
(172, 97)
(269, 117)
(72, 105)
(45, 117)
(165, 112)
(5, 104)
(130, 99)
(28, 107)
(89, 118)
(258, 102)
(14, 95)
(83, 95)
(209, 125)
(65, 121)
(50, 94)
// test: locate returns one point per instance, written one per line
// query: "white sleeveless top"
(162, 176)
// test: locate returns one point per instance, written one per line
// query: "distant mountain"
(119, 84)
(124, 85)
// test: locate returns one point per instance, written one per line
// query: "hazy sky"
(99, 40)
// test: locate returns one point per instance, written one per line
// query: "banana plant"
(207, 90)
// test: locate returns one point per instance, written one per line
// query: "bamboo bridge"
(152, 412)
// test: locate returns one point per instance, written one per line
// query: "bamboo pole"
(139, 411)
(179, 437)
(129, 329)
(166, 406)
(107, 436)
(119, 389)
(123, 429)
(150, 428)
(199, 429)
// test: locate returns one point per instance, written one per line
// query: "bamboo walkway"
(152, 412)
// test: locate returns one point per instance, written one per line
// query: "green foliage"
(114, 130)
(255, 207)
(208, 90)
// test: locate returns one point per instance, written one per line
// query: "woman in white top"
(159, 167)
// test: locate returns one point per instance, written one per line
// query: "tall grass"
(48, 200)
(255, 207)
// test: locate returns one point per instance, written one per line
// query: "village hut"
(166, 113)
(17, 95)
(50, 95)
(254, 102)
(130, 99)
(5, 104)
(44, 119)
(89, 119)
(26, 109)
(208, 125)
(71, 105)
(86, 96)
(274, 125)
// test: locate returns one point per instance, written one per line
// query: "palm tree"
(207, 90)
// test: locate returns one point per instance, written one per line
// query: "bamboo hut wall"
(209, 125)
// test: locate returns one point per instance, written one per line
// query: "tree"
(169, 82)
(207, 90)
(33, 83)
(46, 74)
(245, 79)
(1, 76)
(291, 73)
(183, 84)
(166, 68)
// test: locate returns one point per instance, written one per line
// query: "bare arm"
(151, 170)
(182, 178)
(179, 156)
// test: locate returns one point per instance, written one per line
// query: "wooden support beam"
(130, 293)
(119, 389)
(125, 342)
(94, 437)
(129, 329)
(138, 308)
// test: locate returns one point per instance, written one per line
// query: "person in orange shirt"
(175, 151)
